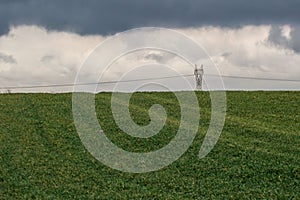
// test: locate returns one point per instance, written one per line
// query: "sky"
(45, 42)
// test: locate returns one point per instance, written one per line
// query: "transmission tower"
(199, 76)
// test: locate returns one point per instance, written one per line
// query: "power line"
(92, 83)
(144, 79)
(255, 78)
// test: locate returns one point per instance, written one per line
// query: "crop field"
(257, 155)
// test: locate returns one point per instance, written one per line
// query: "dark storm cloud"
(276, 37)
(295, 39)
(110, 16)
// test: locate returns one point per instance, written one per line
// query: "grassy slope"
(41, 155)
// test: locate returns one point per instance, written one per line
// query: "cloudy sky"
(45, 42)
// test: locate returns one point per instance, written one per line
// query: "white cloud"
(43, 57)
(51, 57)
(247, 52)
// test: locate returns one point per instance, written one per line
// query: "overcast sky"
(45, 42)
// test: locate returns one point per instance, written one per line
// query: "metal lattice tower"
(199, 76)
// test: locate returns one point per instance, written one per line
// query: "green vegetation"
(257, 155)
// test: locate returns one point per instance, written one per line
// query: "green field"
(257, 155)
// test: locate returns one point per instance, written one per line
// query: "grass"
(257, 155)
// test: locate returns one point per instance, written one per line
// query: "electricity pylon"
(199, 76)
